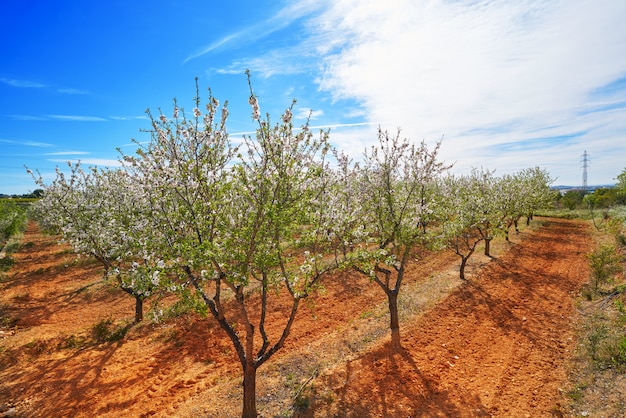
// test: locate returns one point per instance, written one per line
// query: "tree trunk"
(462, 268)
(249, 391)
(488, 246)
(138, 309)
(394, 323)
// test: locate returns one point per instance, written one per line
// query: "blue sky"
(506, 84)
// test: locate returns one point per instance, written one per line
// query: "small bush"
(605, 262)
(11, 248)
(605, 341)
(37, 347)
(73, 341)
(187, 304)
(106, 331)
(598, 333)
(618, 353)
(6, 263)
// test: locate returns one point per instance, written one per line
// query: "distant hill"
(592, 188)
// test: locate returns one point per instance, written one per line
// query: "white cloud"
(26, 117)
(75, 118)
(100, 162)
(304, 113)
(27, 143)
(144, 117)
(67, 153)
(21, 83)
(482, 73)
(72, 91)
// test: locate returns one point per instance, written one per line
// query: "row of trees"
(13, 217)
(239, 225)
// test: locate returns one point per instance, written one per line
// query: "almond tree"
(398, 213)
(537, 193)
(97, 213)
(509, 197)
(521, 194)
(240, 223)
(467, 201)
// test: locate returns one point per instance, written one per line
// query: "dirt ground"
(496, 345)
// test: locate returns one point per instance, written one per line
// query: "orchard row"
(195, 214)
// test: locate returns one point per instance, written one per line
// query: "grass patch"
(107, 331)
(6, 263)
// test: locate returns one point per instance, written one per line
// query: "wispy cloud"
(18, 83)
(77, 118)
(100, 162)
(27, 143)
(283, 61)
(72, 91)
(67, 153)
(22, 83)
(304, 113)
(282, 19)
(144, 117)
(215, 45)
(345, 125)
(26, 117)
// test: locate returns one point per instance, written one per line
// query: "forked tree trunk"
(394, 323)
(249, 391)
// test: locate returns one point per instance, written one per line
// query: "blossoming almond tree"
(536, 191)
(240, 223)
(97, 213)
(467, 202)
(521, 194)
(398, 212)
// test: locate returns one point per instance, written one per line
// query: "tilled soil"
(496, 345)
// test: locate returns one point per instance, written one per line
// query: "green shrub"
(106, 331)
(6, 263)
(605, 262)
(618, 353)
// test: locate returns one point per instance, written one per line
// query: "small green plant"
(302, 402)
(11, 248)
(171, 336)
(37, 347)
(188, 303)
(597, 335)
(605, 262)
(106, 331)
(6, 263)
(618, 353)
(73, 341)
(576, 394)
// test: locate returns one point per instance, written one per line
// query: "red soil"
(494, 346)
